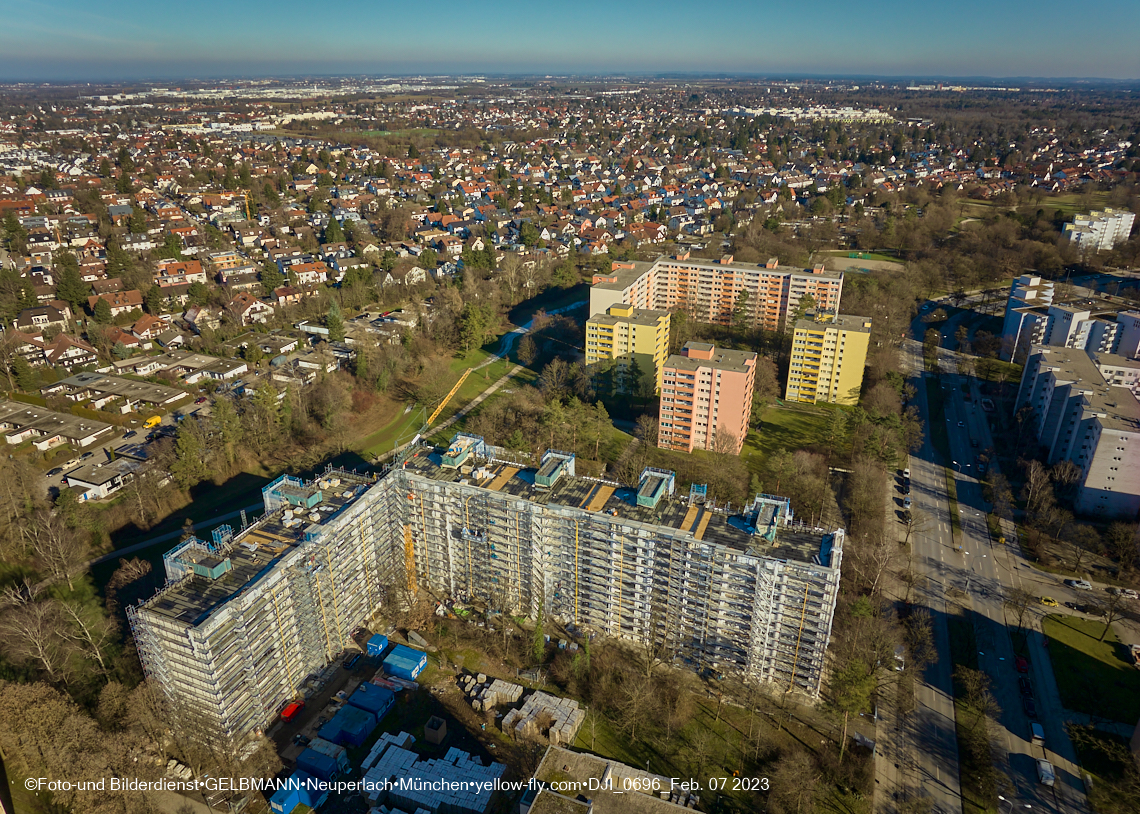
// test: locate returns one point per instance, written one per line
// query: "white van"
(1045, 773)
(1037, 735)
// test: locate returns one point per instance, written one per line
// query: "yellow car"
(1049, 601)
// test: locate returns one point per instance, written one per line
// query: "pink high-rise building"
(706, 398)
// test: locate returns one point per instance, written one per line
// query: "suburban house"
(121, 302)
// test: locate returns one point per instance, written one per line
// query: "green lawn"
(978, 796)
(1094, 677)
(786, 426)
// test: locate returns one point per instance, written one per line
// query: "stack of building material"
(543, 715)
(413, 783)
(403, 740)
(485, 696)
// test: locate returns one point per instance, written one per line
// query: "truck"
(153, 421)
(1037, 734)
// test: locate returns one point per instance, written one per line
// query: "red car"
(200, 400)
(1022, 664)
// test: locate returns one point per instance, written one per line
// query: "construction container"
(301, 789)
(318, 765)
(404, 662)
(377, 645)
(349, 727)
(337, 753)
(372, 698)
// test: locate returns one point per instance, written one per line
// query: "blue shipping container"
(404, 662)
(318, 765)
(349, 727)
(377, 645)
(372, 698)
(300, 788)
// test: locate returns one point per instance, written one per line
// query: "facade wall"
(827, 363)
(698, 403)
(623, 335)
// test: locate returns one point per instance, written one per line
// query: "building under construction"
(244, 620)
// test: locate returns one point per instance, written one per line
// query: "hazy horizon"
(71, 41)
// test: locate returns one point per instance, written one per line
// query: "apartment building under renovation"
(722, 292)
(244, 620)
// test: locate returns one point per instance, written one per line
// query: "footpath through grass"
(1094, 677)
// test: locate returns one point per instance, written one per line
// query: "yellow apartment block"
(625, 333)
(829, 353)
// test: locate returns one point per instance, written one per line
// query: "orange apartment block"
(712, 291)
(706, 391)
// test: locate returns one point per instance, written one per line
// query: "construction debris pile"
(486, 696)
(556, 719)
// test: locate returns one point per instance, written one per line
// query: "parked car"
(1021, 664)
(1029, 707)
(1071, 605)
(57, 471)
(129, 434)
(974, 443)
(961, 423)
(1127, 593)
(87, 456)
(906, 502)
(200, 400)
(302, 740)
(1079, 584)
(1025, 685)
(906, 473)
(1048, 601)
(351, 661)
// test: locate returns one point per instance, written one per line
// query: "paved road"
(983, 572)
(920, 754)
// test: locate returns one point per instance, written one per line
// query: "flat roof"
(50, 422)
(846, 322)
(1115, 406)
(671, 512)
(252, 554)
(625, 277)
(101, 472)
(640, 316)
(562, 765)
(115, 386)
(723, 359)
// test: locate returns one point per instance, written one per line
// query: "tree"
(271, 277)
(59, 548)
(1123, 540)
(154, 300)
(1112, 606)
(428, 259)
(475, 324)
(69, 283)
(334, 321)
(915, 521)
(102, 312)
(333, 232)
(527, 350)
(190, 451)
(851, 690)
(197, 293)
(1018, 602)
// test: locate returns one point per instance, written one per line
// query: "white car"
(1079, 583)
(906, 502)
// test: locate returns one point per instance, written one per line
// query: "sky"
(101, 40)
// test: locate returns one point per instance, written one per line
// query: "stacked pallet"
(543, 715)
(486, 696)
(458, 783)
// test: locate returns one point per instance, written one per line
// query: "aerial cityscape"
(500, 423)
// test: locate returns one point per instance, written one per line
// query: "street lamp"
(957, 467)
(1008, 810)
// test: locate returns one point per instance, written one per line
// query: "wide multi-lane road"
(974, 573)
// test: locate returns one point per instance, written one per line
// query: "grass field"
(788, 427)
(887, 258)
(416, 131)
(1094, 677)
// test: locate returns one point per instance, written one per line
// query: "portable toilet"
(377, 645)
(374, 699)
(318, 765)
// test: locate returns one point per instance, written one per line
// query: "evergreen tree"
(69, 285)
(333, 232)
(335, 323)
(153, 300)
(198, 293)
(271, 277)
(27, 379)
(102, 312)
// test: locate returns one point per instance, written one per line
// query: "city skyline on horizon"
(130, 41)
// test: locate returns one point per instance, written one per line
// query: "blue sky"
(161, 39)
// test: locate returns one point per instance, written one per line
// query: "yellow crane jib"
(448, 397)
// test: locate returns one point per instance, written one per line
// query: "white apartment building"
(1100, 230)
(1079, 416)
